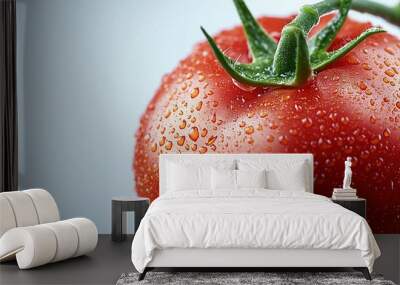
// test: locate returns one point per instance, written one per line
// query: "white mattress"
(250, 219)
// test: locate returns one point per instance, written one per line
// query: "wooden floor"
(111, 259)
(103, 266)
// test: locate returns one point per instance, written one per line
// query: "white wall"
(86, 71)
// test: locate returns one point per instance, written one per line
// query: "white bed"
(250, 227)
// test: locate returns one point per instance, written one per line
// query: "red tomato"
(351, 108)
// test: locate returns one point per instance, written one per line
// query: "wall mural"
(234, 94)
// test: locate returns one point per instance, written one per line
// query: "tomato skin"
(351, 108)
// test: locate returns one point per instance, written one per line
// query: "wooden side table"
(357, 205)
(121, 205)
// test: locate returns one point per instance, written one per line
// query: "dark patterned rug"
(243, 278)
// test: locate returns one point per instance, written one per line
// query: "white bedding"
(251, 218)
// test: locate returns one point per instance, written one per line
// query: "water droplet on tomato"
(168, 145)
(365, 66)
(184, 86)
(307, 122)
(199, 105)
(263, 114)
(270, 138)
(250, 115)
(362, 85)
(162, 141)
(181, 141)
(387, 62)
(211, 140)
(195, 92)
(283, 140)
(249, 130)
(386, 132)
(297, 107)
(389, 50)
(350, 139)
(376, 139)
(345, 120)
(167, 114)
(214, 118)
(364, 154)
(242, 86)
(348, 149)
(286, 97)
(194, 134)
(339, 141)
(182, 124)
(273, 126)
(351, 59)
(324, 143)
(203, 149)
(390, 72)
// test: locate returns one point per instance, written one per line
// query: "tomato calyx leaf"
(292, 60)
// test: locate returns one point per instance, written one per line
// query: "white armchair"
(31, 230)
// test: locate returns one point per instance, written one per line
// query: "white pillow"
(223, 179)
(281, 174)
(188, 177)
(291, 180)
(251, 178)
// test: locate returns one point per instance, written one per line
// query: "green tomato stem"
(389, 13)
(293, 60)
